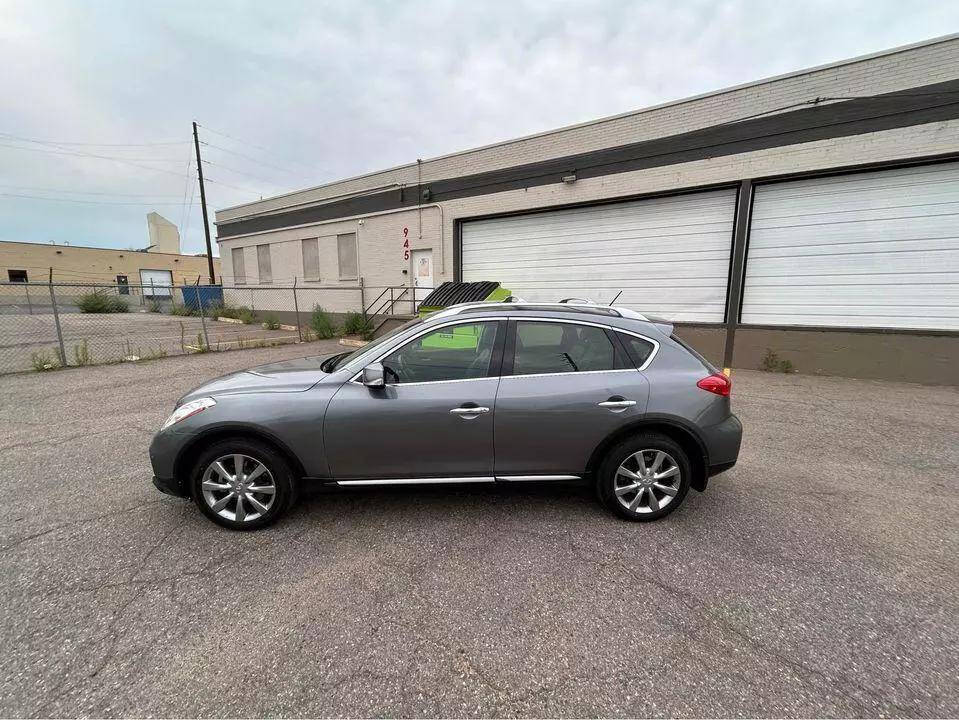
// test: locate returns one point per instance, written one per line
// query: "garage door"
(669, 256)
(156, 283)
(867, 250)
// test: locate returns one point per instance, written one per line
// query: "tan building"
(31, 262)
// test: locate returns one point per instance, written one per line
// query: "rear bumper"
(722, 444)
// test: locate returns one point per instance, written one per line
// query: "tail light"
(716, 383)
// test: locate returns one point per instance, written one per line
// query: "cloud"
(326, 90)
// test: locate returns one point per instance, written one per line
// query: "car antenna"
(616, 298)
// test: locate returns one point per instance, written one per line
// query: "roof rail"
(606, 310)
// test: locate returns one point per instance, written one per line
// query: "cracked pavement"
(819, 577)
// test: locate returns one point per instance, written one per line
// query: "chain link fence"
(44, 326)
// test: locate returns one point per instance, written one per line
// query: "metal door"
(422, 261)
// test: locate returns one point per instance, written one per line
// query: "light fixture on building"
(570, 179)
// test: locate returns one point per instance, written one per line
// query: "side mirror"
(372, 375)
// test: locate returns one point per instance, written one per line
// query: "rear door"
(566, 386)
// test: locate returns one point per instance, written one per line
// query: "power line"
(85, 202)
(241, 172)
(250, 158)
(234, 187)
(86, 192)
(91, 155)
(86, 154)
(254, 145)
(89, 144)
(189, 209)
(187, 187)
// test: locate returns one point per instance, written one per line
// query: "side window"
(456, 352)
(547, 347)
(639, 349)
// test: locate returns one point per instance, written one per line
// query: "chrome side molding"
(457, 480)
(535, 478)
(417, 481)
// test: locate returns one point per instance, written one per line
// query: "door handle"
(617, 404)
(469, 410)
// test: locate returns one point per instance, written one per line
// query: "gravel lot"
(111, 337)
(818, 577)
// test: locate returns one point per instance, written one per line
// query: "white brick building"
(815, 214)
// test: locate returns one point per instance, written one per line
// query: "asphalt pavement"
(819, 577)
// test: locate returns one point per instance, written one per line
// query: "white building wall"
(898, 69)
(380, 238)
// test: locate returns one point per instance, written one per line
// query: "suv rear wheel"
(644, 478)
(242, 484)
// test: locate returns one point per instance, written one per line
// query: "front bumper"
(164, 451)
(169, 486)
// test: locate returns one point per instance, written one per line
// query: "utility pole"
(206, 223)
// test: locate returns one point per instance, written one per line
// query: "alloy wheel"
(647, 481)
(238, 487)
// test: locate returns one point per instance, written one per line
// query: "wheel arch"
(184, 460)
(672, 427)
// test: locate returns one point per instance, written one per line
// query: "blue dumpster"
(209, 295)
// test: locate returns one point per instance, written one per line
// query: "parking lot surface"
(819, 577)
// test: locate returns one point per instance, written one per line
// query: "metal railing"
(44, 326)
(393, 298)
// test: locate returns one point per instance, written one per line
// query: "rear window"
(708, 365)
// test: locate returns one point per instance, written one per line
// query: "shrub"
(96, 302)
(772, 363)
(242, 313)
(182, 310)
(356, 324)
(81, 354)
(322, 323)
(44, 360)
(271, 323)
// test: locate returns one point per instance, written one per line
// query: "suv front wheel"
(242, 484)
(644, 478)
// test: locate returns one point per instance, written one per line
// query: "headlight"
(188, 409)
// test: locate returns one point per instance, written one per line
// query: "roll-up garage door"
(669, 256)
(156, 283)
(878, 249)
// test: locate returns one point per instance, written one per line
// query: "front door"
(422, 274)
(434, 418)
(566, 387)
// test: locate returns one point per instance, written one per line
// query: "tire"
(271, 487)
(668, 485)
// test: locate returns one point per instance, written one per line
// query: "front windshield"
(358, 357)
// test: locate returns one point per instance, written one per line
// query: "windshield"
(358, 356)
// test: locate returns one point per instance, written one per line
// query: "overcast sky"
(311, 92)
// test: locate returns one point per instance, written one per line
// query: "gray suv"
(476, 393)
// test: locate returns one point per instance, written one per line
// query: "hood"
(286, 376)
